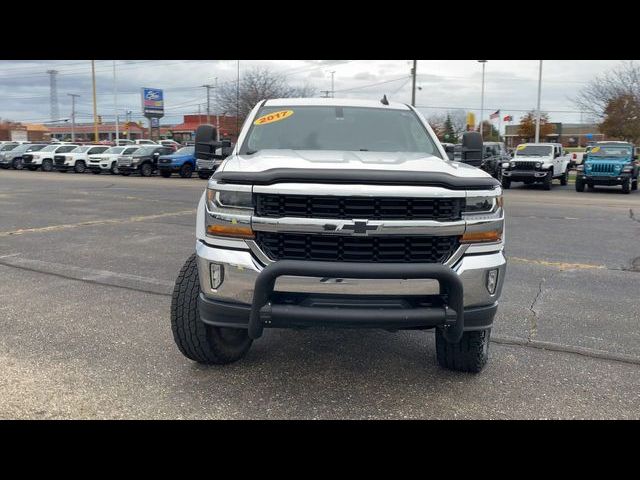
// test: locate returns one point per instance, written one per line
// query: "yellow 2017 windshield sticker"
(521, 147)
(595, 149)
(273, 117)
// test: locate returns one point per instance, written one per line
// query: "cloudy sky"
(510, 86)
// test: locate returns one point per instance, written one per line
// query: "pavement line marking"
(55, 228)
(139, 283)
(559, 265)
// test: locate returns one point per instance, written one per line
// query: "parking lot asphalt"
(87, 264)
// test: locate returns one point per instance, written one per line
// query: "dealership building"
(568, 134)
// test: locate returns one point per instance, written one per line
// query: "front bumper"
(63, 167)
(207, 166)
(168, 167)
(604, 180)
(525, 175)
(366, 295)
(127, 168)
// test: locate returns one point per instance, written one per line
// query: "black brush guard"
(450, 316)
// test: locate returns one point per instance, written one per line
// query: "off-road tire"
(203, 176)
(506, 183)
(196, 340)
(47, 165)
(186, 170)
(80, 167)
(146, 170)
(165, 173)
(564, 179)
(579, 185)
(548, 180)
(626, 186)
(468, 355)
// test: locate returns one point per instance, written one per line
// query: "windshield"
(144, 151)
(35, 148)
(186, 151)
(49, 148)
(8, 147)
(534, 150)
(80, 149)
(22, 148)
(66, 148)
(611, 151)
(338, 128)
(114, 150)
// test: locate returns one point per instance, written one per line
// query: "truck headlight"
(482, 204)
(506, 165)
(229, 198)
(627, 169)
(538, 164)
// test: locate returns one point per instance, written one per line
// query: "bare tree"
(255, 85)
(596, 96)
(458, 121)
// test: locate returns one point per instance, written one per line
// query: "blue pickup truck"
(609, 163)
(182, 161)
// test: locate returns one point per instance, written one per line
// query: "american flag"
(495, 114)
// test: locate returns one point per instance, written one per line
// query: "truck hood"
(527, 158)
(338, 160)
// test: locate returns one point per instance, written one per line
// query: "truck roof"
(337, 102)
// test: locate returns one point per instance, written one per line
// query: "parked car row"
(144, 159)
(603, 163)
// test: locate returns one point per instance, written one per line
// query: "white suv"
(44, 158)
(107, 161)
(77, 159)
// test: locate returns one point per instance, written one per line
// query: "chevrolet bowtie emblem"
(360, 227)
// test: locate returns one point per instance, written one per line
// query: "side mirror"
(471, 146)
(206, 143)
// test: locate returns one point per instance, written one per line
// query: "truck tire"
(195, 339)
(80, 167)
(626, 186)
(146, 170)
(17, 164)
(165, 173)
(203, 176)
(506, 183)
(468, 355)
(186, 170)
(114, 168)
(548, 181)
(564, 179)
(47, 165)
(579, 185)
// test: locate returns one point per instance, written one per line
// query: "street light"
(538, 110)
(483, 62)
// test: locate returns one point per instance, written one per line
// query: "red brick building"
(187, 129)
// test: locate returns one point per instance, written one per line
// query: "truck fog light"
(492, 281)
(217, 274)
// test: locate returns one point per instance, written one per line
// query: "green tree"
(449, 134)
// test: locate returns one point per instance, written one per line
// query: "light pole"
(413, 83)
(483, 62)
(332, 89)
(538, 109)
(95, 108)
(115, 102)
(73, 115)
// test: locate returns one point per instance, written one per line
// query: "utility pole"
(115, 102)
(538, 109)
(95, 108)
(217, 116)
(483, 62)
(332, 87)
(238, 102)
(413, 83)
(73, 115)
(208, 87)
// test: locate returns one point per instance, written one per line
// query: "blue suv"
(182, 161)
(609, 163)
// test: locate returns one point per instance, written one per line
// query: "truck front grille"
(372, 208)
(27, 158)
(58, 159)
(340, 248)
(525, 166)
(603, 167)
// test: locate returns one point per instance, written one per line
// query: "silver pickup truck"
(341, 213)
